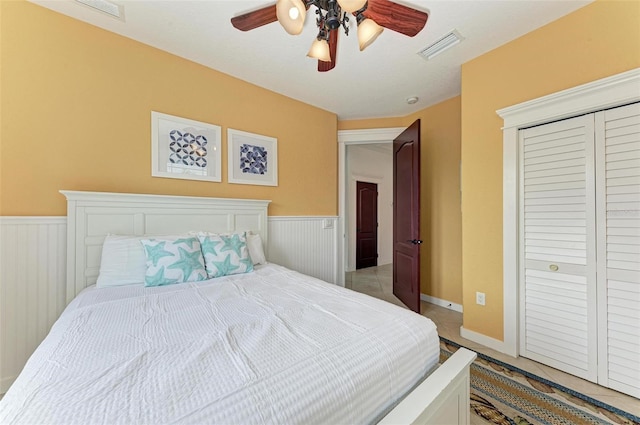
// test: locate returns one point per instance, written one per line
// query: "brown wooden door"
(366, 225)
(406, 217)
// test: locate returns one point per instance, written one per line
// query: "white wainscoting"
(32, 287)
(33, 274)
(305, 244)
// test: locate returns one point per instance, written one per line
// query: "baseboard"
(487, 341)
(442, 303)
(383, 261)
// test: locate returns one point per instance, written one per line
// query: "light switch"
(327, 223)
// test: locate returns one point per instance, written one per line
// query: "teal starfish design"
(187, 241)
(224, 267)
(248, 263)
(156, 252)
(158, 279)
(188, 263)
(209, 245)
(232, 243)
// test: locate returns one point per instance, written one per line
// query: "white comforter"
(273, 346)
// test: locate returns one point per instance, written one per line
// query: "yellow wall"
(76, 105)
(440, 210)
(440, 214)
(596, 41)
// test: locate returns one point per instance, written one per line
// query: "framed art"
(185, 149)
(253, 159)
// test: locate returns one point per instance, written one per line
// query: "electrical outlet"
(480, 298)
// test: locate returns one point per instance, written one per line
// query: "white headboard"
(92, 215)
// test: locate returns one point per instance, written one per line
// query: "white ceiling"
(370, 84)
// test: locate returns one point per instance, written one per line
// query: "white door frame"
(608, 92)
(353, 137)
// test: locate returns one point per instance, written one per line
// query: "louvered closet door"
(557, 246)
(618, 198)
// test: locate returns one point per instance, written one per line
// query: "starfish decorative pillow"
(225, 254)
(172, 261)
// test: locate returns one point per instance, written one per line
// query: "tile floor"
(377, 282)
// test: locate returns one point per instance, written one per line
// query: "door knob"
(415, 241)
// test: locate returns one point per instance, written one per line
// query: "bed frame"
(442, 398)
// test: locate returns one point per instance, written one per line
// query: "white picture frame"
(185, 149)
(252, 158)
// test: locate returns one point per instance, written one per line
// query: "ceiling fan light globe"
(368, 31)
(291, 14)
(351, 6)
(320, 50)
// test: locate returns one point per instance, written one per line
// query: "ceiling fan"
(371, 16)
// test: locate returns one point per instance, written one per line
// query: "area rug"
(505, 395)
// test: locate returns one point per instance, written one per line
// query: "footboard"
(442, 398)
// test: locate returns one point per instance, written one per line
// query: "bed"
(269, 346)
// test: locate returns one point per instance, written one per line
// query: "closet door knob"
(554, 267)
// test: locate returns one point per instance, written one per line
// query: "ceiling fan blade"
(333, 47)
(396, 17)
(255, 19)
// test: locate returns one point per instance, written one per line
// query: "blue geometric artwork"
(253, 159)
(187, 149)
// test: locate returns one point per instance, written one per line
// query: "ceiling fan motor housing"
(332, 19)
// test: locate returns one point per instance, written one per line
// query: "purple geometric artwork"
(253, 159)
(187, 149)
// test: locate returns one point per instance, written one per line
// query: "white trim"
(302, 217)
(487, 341)
(353, 137)
(600, 94)
(601, 232)
(367, 179)
(510, 231)
(442, 303)
(91, 197)
(368, 136)
(607, 92)
(33, 219)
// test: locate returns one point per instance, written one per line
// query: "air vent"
(106, 7)
(441, 45)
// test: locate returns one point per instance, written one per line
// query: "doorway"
(350, 142)
(370, 163)
(366, 224)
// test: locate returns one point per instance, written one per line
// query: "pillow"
(225, 254)
(173, 260)
(256, 252)
(123, 261)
